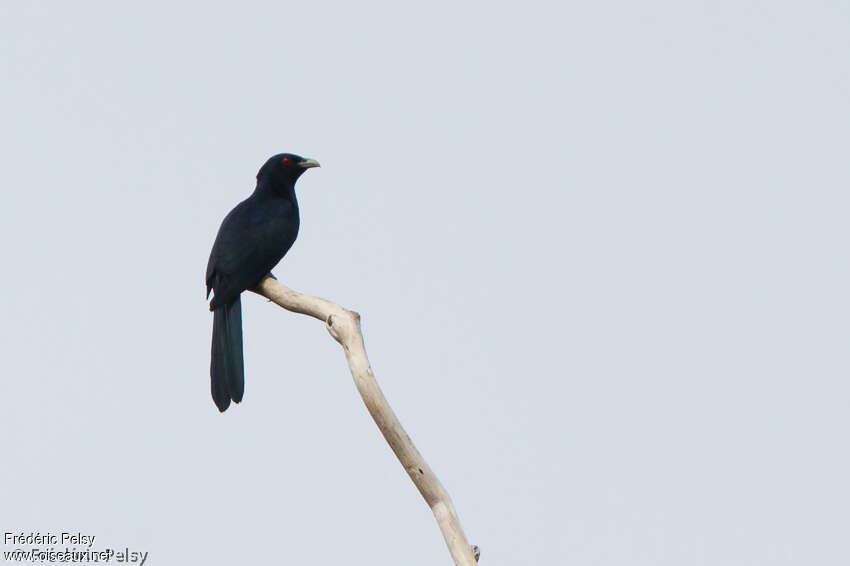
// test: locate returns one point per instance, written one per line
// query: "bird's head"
(285, 168)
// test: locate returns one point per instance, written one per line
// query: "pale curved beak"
(308, 163)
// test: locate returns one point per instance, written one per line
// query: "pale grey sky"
(619, 229)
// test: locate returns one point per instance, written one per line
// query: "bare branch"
(344, 326)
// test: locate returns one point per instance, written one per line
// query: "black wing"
(253, 238)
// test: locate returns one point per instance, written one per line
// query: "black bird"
(253, 238)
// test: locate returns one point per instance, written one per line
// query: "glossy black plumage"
(252, 239)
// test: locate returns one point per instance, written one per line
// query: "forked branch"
(344, 326)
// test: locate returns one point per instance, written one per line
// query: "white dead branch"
(344, 326)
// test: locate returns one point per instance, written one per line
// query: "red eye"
(286, 161)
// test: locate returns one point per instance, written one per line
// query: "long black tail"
(227, 373)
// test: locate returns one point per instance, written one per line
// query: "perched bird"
(252, 239)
